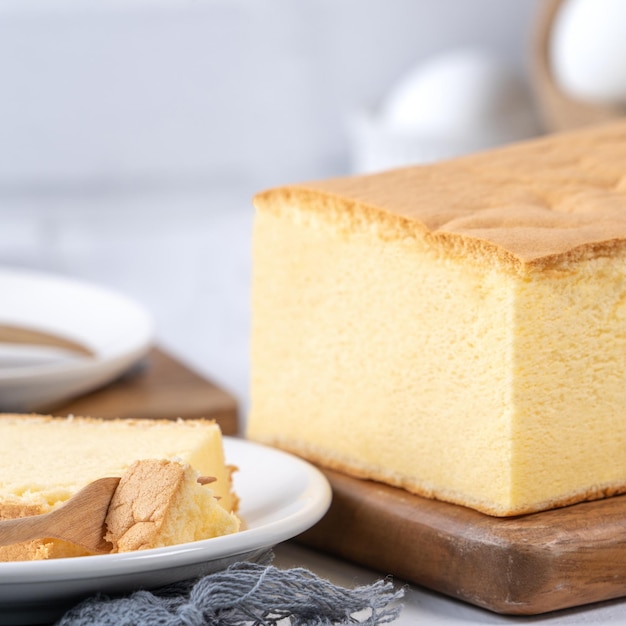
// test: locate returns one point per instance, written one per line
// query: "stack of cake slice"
(175, 483)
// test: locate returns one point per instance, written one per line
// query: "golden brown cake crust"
(140, 503)
(532, 205)
(142, 423)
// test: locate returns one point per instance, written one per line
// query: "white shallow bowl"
(114, 328)
(281, 496)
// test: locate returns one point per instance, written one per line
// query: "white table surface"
(186, 257)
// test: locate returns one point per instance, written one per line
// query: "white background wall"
(133, 134)
(215, 91)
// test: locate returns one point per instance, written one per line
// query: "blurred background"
(134, 133)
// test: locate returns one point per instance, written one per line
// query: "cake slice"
(46, 460)
(160, 503)
(456, 329)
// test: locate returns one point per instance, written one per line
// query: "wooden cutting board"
(159, 387)
(523, 565)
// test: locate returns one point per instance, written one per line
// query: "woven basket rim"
(559, 110)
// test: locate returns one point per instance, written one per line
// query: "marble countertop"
(186, 258)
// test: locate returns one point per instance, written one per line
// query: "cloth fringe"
(245, 594)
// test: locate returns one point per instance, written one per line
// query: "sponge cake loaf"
(456, 329)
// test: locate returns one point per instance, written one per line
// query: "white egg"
(462, 93)
(588, 50)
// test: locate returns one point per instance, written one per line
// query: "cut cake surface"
(456, 329)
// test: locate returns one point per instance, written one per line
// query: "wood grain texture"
(160, 387)
(523, 565)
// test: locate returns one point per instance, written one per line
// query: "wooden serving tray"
(159, 387)
(522, 565)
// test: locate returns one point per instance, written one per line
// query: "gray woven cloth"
(250, 594)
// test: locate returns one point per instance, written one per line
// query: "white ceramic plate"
(114, 328)
(281, 496)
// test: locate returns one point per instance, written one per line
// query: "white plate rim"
(119, 330)
(314, 502)
(142, 338)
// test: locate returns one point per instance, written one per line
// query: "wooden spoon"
(80, 520)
